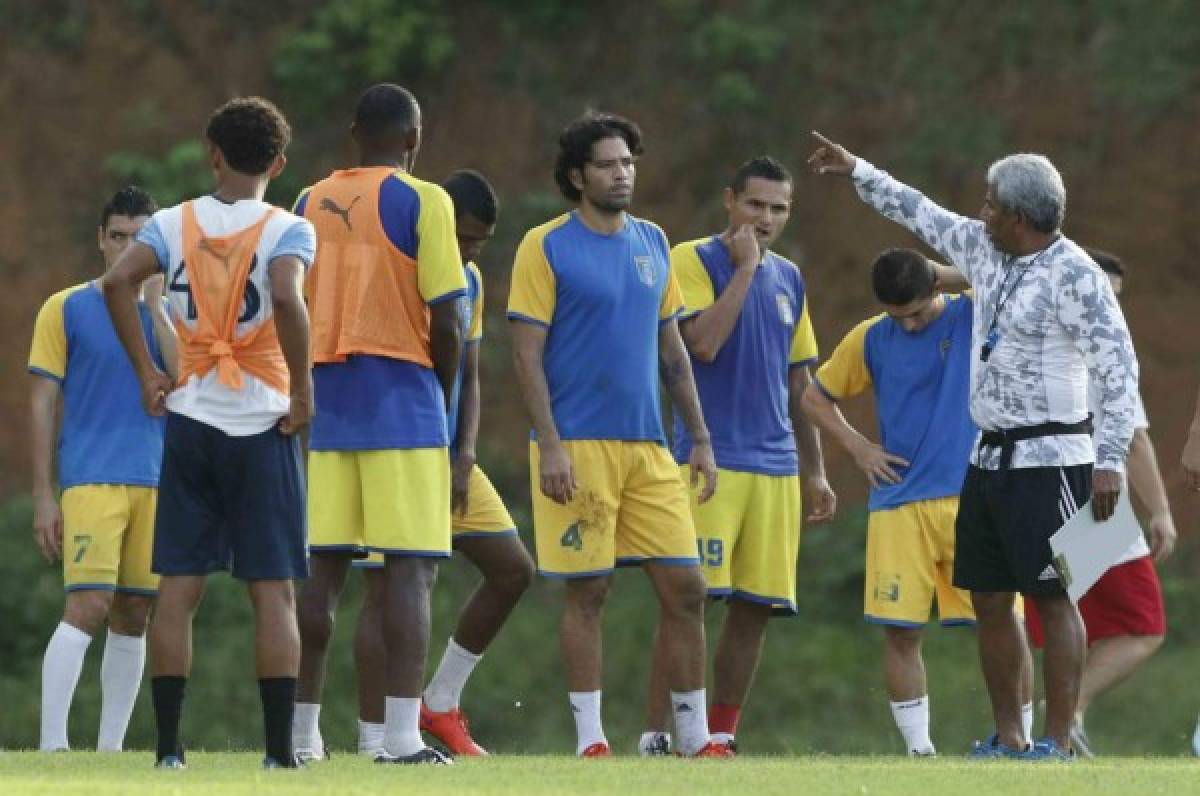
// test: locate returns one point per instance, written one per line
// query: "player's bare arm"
(556, 473)
(121, 285)
(445, 344)
(468, 430)
(1146, 484)
(1191, 451)
(707, 332)
(291, 324)
(675, 370)
(44, 397)
(876, 463)
(164, 332)
(819, 497)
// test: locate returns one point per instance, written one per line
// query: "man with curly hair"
(231, 495)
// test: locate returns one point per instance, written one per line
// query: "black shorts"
(1005, 521)
(230, 503)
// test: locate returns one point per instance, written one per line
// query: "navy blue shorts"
(230, 503)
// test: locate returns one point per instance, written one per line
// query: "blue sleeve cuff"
(824, 391)
(453, 294)
(36, 371)
(804, 363)
(516, 316)
(674, 316)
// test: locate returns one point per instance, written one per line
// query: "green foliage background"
(739, 78)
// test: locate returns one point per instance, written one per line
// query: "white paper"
(1085, 549)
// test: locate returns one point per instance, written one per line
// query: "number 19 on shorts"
(711, 551)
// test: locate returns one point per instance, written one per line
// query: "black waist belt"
(1007, 439)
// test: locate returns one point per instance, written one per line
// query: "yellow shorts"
(395, 502)
(485, 516)
(910, 560)
(108, 538)
(630, 508)
(749, 537)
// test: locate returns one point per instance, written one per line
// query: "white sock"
(370, 737)
(306, 726)
(120, 678)
(585, 707)
(651, 743)
(60, 674)
(691, 720)
(1027, 720)
(446, 687)
(722, 738)
(912, 719)
(401, 722)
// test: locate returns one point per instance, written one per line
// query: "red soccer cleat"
(598, 749)
(715, 749)
(451, 729)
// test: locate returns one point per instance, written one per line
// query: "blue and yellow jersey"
(470, 313)
(601, 299)
(386, 252)
(106, 436)
(744, 390)
(921, 380)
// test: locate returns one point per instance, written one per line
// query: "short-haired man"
(482, 528)
(232, 489)
(915, 358)
(593, 308)
(748, 330)
(386, 346)
(109, 453)
(1123, 612)
(1046, 323)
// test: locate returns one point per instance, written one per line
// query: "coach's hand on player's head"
(556, 472)
(742, 245)
(1106, 488)
(156, 385)
(877, 464)
(460, 479)
(830, 158)
(702, 462)
(300, 410)
(48, 527)
(820, 499)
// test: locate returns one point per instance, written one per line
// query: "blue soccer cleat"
(992, 749)
(1048, 750)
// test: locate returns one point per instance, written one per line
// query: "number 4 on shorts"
(572, 538)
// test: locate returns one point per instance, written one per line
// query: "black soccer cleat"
(428, 755)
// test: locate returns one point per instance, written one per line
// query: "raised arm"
(676, 371)
(121, 284)
(959, 239)
(706, 332)
(556, 473)
(291, 325)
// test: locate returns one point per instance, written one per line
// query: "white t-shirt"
(1138, 549)
(255, 407)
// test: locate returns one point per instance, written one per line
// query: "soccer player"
(386, 348)
(231, 496)
(109, 451)
(482, 528)
(915, 358)
(748, 331)
(1045, 324)
(593, 309)
(1123, 611)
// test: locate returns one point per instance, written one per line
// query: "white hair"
(1029, 185)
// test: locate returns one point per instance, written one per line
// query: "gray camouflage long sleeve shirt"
(1058, 324)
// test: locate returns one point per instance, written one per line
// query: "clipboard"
(1084, 549)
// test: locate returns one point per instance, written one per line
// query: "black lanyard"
(991, 338)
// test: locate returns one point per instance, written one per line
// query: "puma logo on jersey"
(333, 207)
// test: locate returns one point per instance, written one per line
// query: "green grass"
(239, 773)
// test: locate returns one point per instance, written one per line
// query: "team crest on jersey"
(785, 309)
(646, 271)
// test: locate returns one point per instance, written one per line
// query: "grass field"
(239, 773)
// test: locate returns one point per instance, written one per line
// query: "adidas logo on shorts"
(1048, 573)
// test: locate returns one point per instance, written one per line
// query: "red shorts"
(1126, 601)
